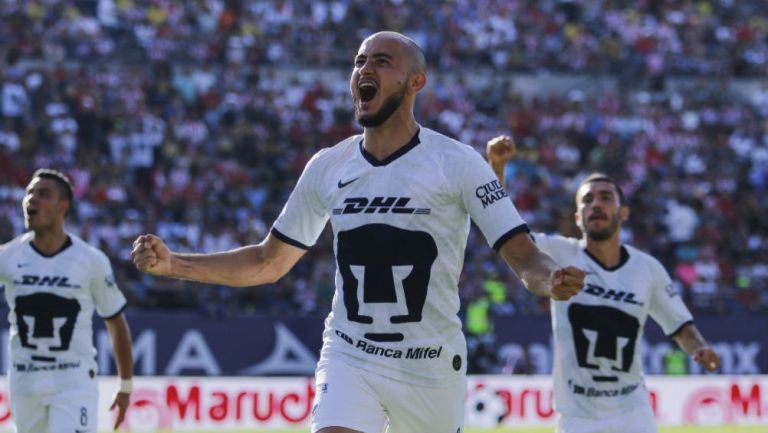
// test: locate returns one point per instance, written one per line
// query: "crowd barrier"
(230, 403)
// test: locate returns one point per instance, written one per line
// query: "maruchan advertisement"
(231, 403)
(194, 373)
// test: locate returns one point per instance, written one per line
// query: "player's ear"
(624, 213)
(417, 81)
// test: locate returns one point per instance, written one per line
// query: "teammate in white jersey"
(598, 378)
(399, 198)
(53, 284)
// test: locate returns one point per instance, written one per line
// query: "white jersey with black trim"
(598, 369)
(400, 229)
(52, 300)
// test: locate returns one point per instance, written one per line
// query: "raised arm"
(690, 339)
(500, 150)
(536, 269)
(242, 267)
(539, 272)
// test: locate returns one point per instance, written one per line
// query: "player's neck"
(384, 140)
(49, 241)
(608, 252)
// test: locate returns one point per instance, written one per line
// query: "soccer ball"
(484, 408)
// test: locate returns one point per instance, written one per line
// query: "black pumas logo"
(604, 338)
(46, 281)
(490, 193)
(397, 205)
(46, 322)
(385, 266)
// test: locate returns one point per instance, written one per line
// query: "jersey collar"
(400, 152)
(623, 258)
(67, 244)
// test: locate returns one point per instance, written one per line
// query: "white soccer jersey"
(598, 370)
(400, 228)
(52, 300)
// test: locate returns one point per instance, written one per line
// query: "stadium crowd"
(193, 120)
(627, 37)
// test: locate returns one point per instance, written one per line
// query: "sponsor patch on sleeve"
(490, 193)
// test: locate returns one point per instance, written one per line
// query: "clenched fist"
(151, 255)
(566, 283)
(707, 358)
(500, 150)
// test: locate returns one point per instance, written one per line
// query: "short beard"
(385, 112)
(604, 234)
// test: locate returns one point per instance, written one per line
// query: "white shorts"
(349, 397)
(640, 420)
(72, 411)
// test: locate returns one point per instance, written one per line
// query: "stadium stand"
(194, 119)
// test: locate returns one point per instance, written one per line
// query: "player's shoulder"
(451, 158)
(557, 240)
(645, 259)
(92, 253)
(446, 145)
(562, 249)
(15, 243)
(329, 155)
(329, 160)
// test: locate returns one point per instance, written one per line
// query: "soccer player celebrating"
(399, 198)
(53, 283)
(598, 378)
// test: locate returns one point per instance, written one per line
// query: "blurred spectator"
(194, 120)
(518, 362)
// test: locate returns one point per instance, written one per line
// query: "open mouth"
(367, 92)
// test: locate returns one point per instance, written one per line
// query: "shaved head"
(417, 61)
(389, 71)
